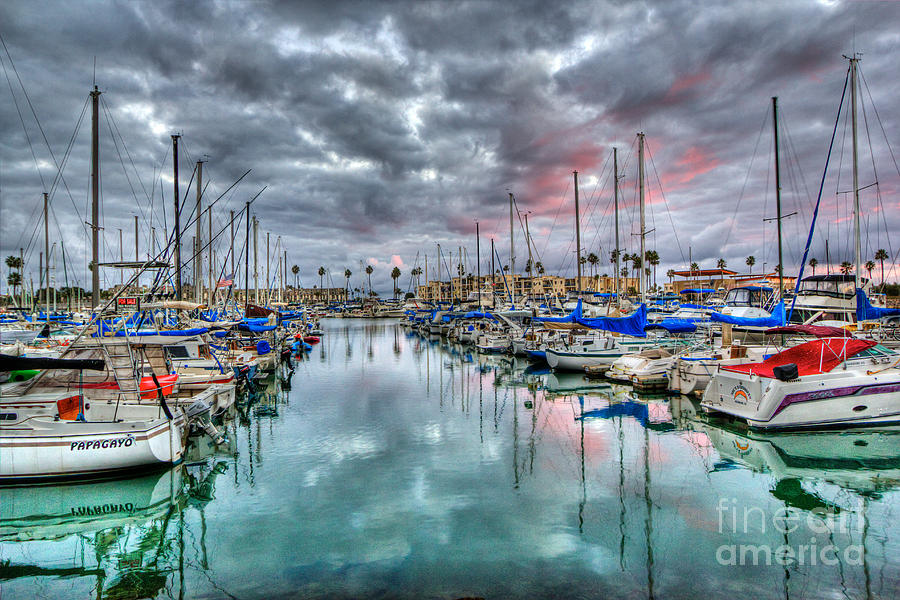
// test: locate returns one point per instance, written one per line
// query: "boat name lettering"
(101, 444)
(103, 509)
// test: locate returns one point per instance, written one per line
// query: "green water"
(392, 466)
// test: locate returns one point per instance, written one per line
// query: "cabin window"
(177, 352)
(8, 416)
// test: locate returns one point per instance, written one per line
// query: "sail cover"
(866, 312)
(777, 318)
(674, 325)
(572, 317)
(631, 325)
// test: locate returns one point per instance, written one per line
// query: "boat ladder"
(121, 361)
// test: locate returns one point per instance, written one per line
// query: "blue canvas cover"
(632, 325)
(572, 317)
(674, 325)
(866, 312)
(776, 320)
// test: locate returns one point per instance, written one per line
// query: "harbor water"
(388, 465)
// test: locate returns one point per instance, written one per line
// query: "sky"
(378, 130)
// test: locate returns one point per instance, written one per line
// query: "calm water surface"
(391, 466)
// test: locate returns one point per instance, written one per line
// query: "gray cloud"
(382, 128)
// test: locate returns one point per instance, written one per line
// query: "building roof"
(705, 273)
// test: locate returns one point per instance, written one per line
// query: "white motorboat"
(646, 363)
(828, 382)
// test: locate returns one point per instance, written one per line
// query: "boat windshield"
(836, 289)
(744, 297)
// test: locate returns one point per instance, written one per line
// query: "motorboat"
(827, 382)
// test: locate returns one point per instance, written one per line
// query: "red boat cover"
(816, 356)
(820, 331)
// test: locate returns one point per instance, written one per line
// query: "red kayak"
(311, 339)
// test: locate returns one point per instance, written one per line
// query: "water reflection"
(388, 464)
(111, 539)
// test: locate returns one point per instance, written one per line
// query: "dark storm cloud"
(381, 128)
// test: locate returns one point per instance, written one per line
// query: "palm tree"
(846, 268)
(15, 279)
(721, 264)
(369, 269)
(653, 261)
(813, 263)
(751, 260)
(694, 267)
(671, 275)
(870, 266)
(636, 264)
(321, 275)
(540, 267)
(395, 275)
(347, 274)
(881, 255)
(593, 259)
(613, 256)
(296, 271)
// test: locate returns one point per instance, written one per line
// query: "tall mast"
(528, 244)
(247, 260)
(778, 196)
(198, 255)
(177, 225)
(137, 258)
(512, 251)
(212, 287)
(95, 198)
(853, 64)
(616, 197)
(268, 265)
(47, 252)
(643, 202)
(478, 263)
(255, 260)
(577, 238)
(121, 260)
(233, 274)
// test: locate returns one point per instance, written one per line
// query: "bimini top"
(820, 331)
(811, 358)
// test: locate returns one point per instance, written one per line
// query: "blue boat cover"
(776, 320)
(698, 291)
(674, 325)
(632, 325)
(478, 315)
(572, 317)
(866, 312)
(253, 328)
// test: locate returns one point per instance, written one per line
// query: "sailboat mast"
(778, 196)
(198, 256)
(577, 238)
(95, 199)
(47, 252)
(255, 260)
(247, 260)
(853, 64)
(478, 263)
(512, 252)
(616, 200)
(177, 220)
(137, 257)
(643, 207)
(212, 287)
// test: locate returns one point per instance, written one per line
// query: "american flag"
(225, 282)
